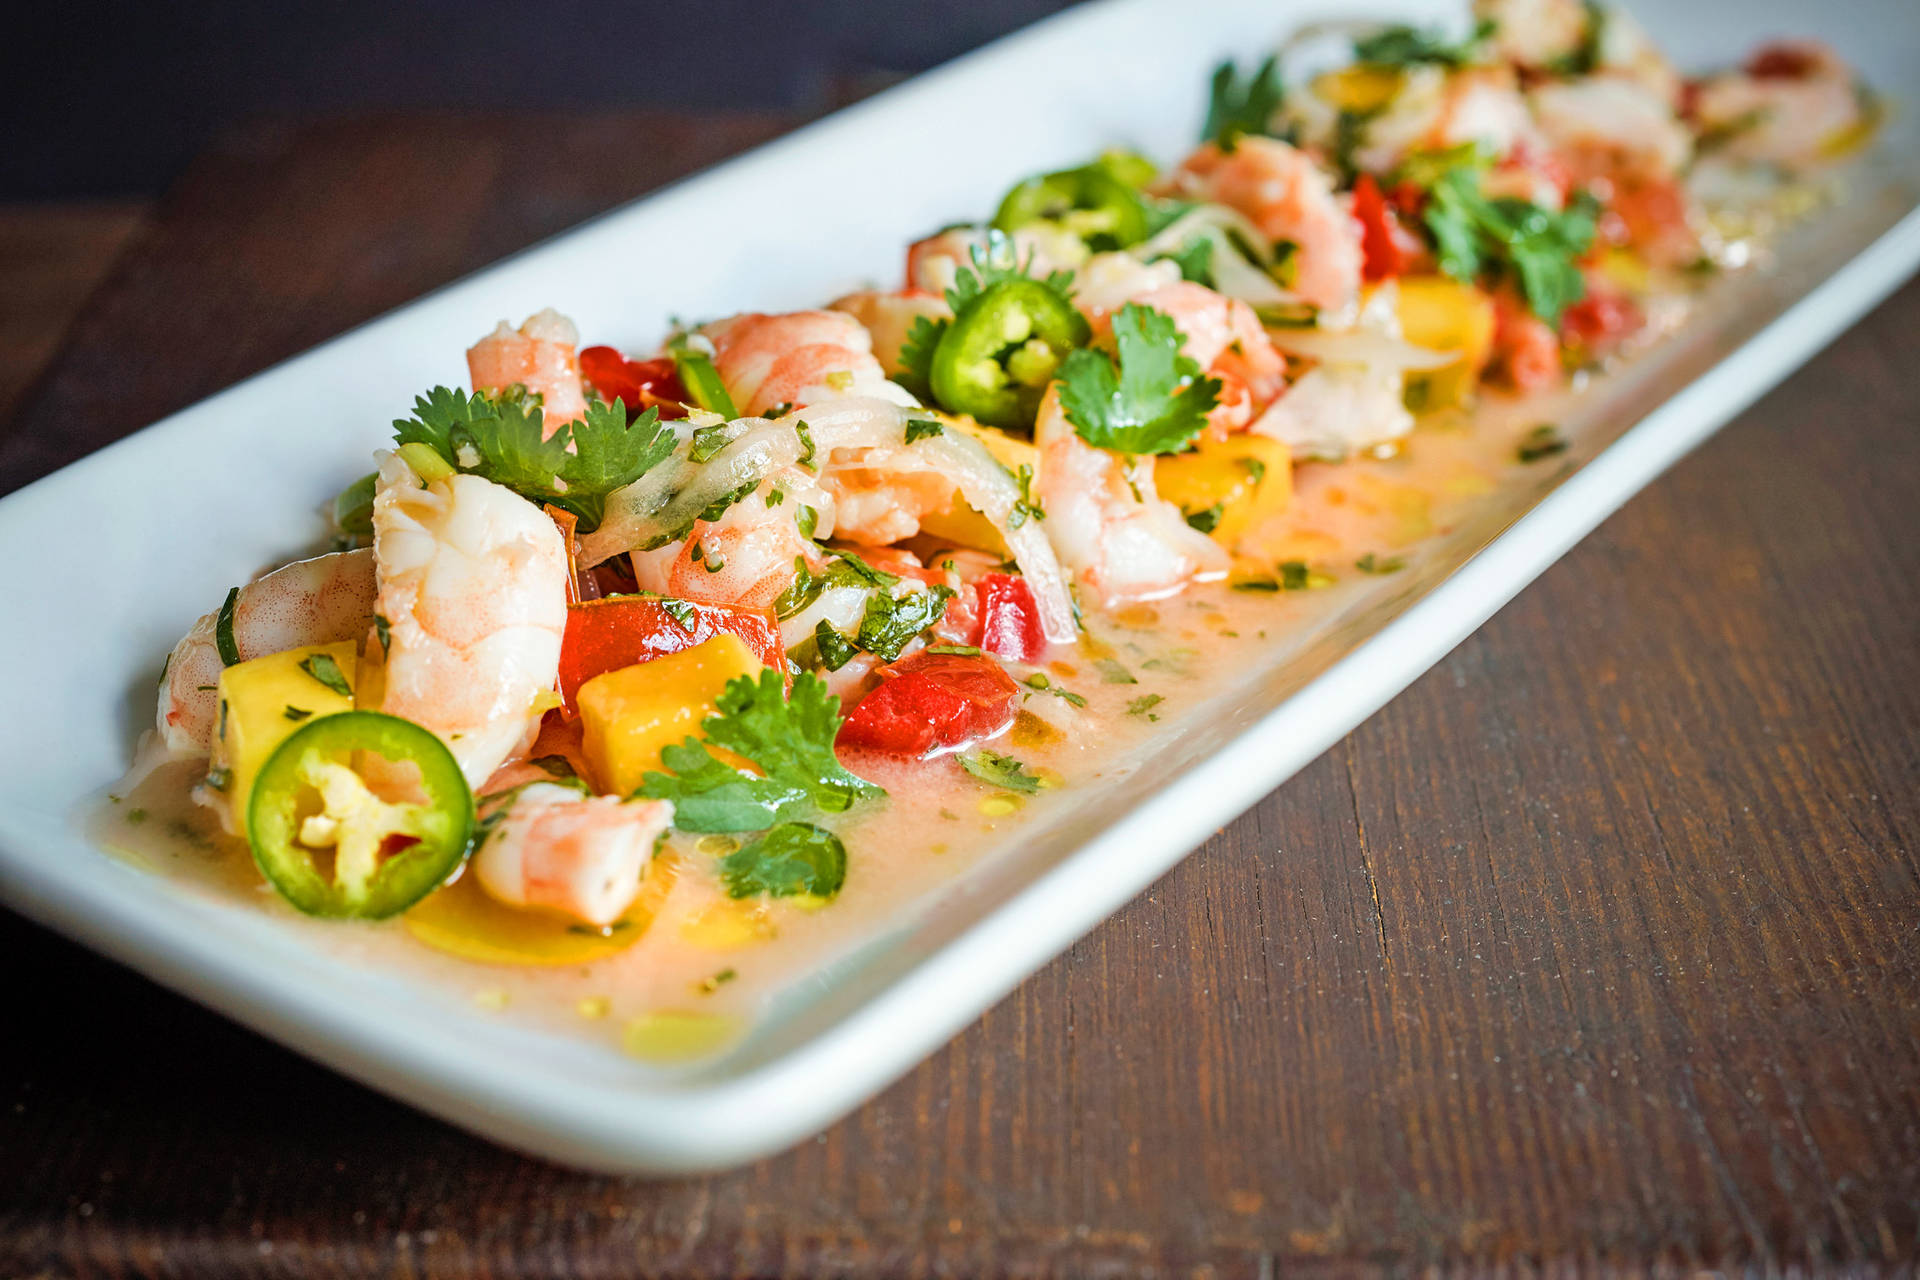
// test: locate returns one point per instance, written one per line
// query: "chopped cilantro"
(223, 630)
(1543, 441)
(1143, 704)
(1156, 402)
(956, 650)
(383, 630)
(499, 438)
(323, 668)
(789, 739)
(1295, 576)
(1370, 563)
(922, 428)
(1405, 46)
(1209, 520)
(916, 355)
(1472, 234)
(793, 858)
(1113, 671)
(1024, 507)
(680, 611)
(889, 624)
(554, 766)
(806, 439)
(1038, 680)
(707, 441)
(1195, 260)
(1001, 771)
(296, 713)
(835, 650)
(707, 986)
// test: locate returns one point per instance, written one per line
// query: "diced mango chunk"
(262, 702)
(1446, 315)
(1230, 485)
(628, 716)
(1360, 89)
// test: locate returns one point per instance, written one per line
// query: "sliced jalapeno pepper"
(700, 378)
(998, 355)
(333, 847)
(1090, 202)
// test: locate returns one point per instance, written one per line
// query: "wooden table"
(1597, 946)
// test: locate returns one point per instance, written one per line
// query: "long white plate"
(204, 498)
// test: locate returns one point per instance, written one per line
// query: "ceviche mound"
(634, 678)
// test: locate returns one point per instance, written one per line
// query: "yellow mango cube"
(1360, 89)
(1231, 484)
(262, 702)
(628, 716)
(1446, 315)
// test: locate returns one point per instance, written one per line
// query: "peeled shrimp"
(1119, 538)
(797, 359)
(1222, 335)
(583, 856)
(473, 585)
(309, 602)
(889, 318)
(1534, 33)
(1794, 105)
(933, 263)
(1290, 198)
(542, 355)
(1611, 127)
(745, 557)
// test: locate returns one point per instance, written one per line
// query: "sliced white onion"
(677, 490)
(1233, 274)
(1359, 347)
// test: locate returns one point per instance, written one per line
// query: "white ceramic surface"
(204, 498)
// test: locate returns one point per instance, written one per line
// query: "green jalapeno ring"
(998, 355)
(1105, 212)
(363, 884)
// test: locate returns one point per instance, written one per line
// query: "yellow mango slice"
(628, 716)
(262, 702)
(1248, 477)
(1447, 315)
(1361, 89)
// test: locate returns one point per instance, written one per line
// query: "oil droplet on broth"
(593, 1006)
(727, 925)
(675, 1035)
(999, 806)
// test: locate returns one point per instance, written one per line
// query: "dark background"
(112, 99)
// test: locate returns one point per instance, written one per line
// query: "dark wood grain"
(1598, 947)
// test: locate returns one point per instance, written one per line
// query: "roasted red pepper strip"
(640, 384)
(1384, 257)
(1008, 624)
(933, 703)
(619, 631)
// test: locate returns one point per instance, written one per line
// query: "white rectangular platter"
(201, 500)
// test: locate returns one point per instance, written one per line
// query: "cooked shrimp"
(1222, 335)
(1289, 198)
(542, 355)
(1611, 127)
(933, 263)
(1436, 109)
(318, 601)
(583, 856)
(1535, 33)
(889, 318)
(473, 585)
(1118, 537)
(743, 558)
(1794, 104)
(797, 359)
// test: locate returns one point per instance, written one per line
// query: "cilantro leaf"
(1473, 235)
(1235, 109)
(789, 739)
(1405, 46)
(500, 438)
(1004, 772)
(323, 668)
(793, 858)
(889, 624)
(1156, 402)
(1195, 260)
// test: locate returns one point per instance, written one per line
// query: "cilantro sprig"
(1473, 234)
(1236, 108)
(789, 739)
(793, 859)
(500, 438)
(996, 262)
(1405, 46)
(1155, 401)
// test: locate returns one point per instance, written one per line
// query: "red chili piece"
(1384, 257)
(932, 703)
(640, 384)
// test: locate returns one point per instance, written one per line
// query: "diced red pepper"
(640, 384)
(619, 631)
(1009, 618)
(1600, 320)
(933, 703)
(1783, 61)
(1526, 348)
(1384, 257)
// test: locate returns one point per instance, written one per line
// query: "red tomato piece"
(1384, 256)
(640, 384)
(933, 703)
(1782, 61)
(1600, 320)
(1009, 618)
(619, 631)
